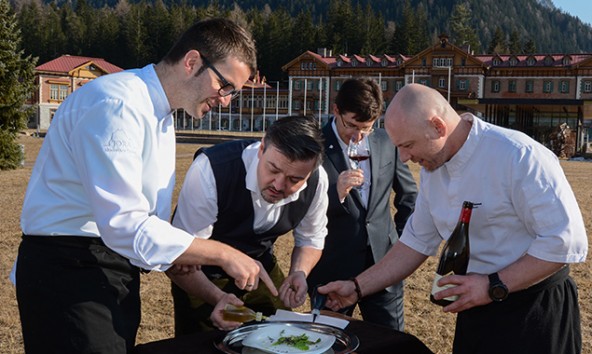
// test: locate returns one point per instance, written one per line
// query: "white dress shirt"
(197, 209)
(107, 168)
(528, 206)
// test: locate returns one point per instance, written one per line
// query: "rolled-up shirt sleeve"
(312, 230)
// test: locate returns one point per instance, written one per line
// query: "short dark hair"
(216, 39)
(362, 97)
(299, 138)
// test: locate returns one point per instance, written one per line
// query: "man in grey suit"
(361, 228)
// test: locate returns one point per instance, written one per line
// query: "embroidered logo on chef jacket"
(119, 142)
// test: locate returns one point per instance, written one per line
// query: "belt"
(67, 241)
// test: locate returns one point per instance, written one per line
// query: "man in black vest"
(246, 194)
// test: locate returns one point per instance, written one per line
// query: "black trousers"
(543, 319)
(76, 296)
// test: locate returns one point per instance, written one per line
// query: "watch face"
(499, 292)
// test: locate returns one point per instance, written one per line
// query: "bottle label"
(436, 288)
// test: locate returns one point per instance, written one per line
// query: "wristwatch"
(498, 291)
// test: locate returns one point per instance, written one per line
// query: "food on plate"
(301, 342)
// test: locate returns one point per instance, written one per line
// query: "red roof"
(66, 63)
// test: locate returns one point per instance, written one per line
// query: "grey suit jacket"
(351, 227)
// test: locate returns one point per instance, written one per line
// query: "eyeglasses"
(350, 126)
(226, 88)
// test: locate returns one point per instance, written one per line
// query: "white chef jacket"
(528, 206)
(197, 208)
(107, 168)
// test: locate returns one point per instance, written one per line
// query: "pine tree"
(497, 44)
(16, 84)
(463, 33)
(514, 44)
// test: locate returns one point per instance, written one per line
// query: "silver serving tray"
(232, 342)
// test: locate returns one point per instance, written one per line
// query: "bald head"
(413, 106)
(420, 122)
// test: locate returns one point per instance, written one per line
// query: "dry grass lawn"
(423, 319)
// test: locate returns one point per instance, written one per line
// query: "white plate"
(263, 339)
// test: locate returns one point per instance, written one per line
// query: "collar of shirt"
(162, 107)
(456, 164)
(341, 142)
(251, 160)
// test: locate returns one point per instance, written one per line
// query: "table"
(374, 339)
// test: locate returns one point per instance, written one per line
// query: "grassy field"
(423, 319)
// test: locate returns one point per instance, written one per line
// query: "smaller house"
(56, 79)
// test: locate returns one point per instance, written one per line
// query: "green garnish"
(299, 342)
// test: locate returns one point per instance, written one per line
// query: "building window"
(495, 86)
(58, 92)
(297, 85)
(399, 61)
(531, 61)
(497, 61)
(384, 62)
(354, 62)
(512, 86)
(566, 61)
(549, 61)
(310, 85)
(337, 85)
(513, 61)
(399, 85)
(297, 105)
(424, 62)
(463, 85)
(339, 62)
(369, 61)
(529, 87)
(441, 82)
(548, 86)
(424, 82)
(587, 86)
(308, 65)
(564, 86)
(442, 62)
(384, 85)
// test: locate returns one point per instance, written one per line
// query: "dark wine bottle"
(454, 258)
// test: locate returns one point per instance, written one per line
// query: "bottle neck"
(465, 216)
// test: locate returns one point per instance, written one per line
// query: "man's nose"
(404, 156)
(358, 135)
(279, 183)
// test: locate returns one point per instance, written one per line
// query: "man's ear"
(261, 148)
(192, 61)
(335, 110)
(439, 126)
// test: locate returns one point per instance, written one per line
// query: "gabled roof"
(67, 63)
(540, 60)
(322, 60)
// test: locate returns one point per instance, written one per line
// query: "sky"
(579, 8)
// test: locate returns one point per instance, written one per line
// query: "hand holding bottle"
(220, 319)
(454, 258)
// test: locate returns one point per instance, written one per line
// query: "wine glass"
(358, 151)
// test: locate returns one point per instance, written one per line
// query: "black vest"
(234, 225)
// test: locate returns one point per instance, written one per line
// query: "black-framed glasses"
(350, 126)
(226, 88)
